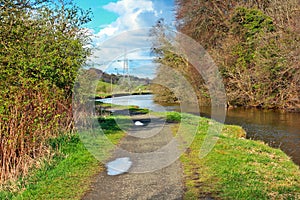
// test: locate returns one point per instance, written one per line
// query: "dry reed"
(31, 116)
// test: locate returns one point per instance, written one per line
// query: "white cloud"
(130, 18)
(129, 6)
(116, 38)
(135, 44)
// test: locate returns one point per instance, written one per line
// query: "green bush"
(173, 117)
(41, 50)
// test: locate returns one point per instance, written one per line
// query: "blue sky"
(114, 17)
(101, 16)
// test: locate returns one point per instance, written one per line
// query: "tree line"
(42, 46)
(254, 43)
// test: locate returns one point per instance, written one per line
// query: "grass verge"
(130, 109)
(237, 168)
(68, 175)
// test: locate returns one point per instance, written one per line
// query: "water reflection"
(143, 101)
(118, 166)
(278, 129)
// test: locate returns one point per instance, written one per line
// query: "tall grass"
(29, 116)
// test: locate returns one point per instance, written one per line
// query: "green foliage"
(109, 125)
(69, 173)
(257, 71)
(46, 46)
(173, 117)
(135, 110)
(41, 50)
(104, 88)
(253, 21)
(70, 170)
(248, 23)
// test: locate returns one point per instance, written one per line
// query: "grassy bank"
(237, 168)
(106, 90)
(68, 175)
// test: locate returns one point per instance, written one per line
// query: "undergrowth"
(68, 174)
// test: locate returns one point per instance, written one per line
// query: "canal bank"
(235, 168)
(277, 129)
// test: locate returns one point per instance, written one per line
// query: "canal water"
(278, 129)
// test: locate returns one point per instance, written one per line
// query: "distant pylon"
(125, 64)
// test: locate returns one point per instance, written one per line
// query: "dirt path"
(155, 172)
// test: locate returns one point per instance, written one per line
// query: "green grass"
(104, 89)
(142, 88)
(173, 117)
(237, 168)
(135, 110)
(70, 172)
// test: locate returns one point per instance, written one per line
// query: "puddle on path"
(118, 166)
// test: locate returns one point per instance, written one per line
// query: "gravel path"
(155, 173)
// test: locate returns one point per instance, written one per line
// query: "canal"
(278, 129)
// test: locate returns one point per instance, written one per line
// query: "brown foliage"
(32, 116)
(257, 50)
(173, 69)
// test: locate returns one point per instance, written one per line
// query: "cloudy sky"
(120, 27)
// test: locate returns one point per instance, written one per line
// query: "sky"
(121, 27)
